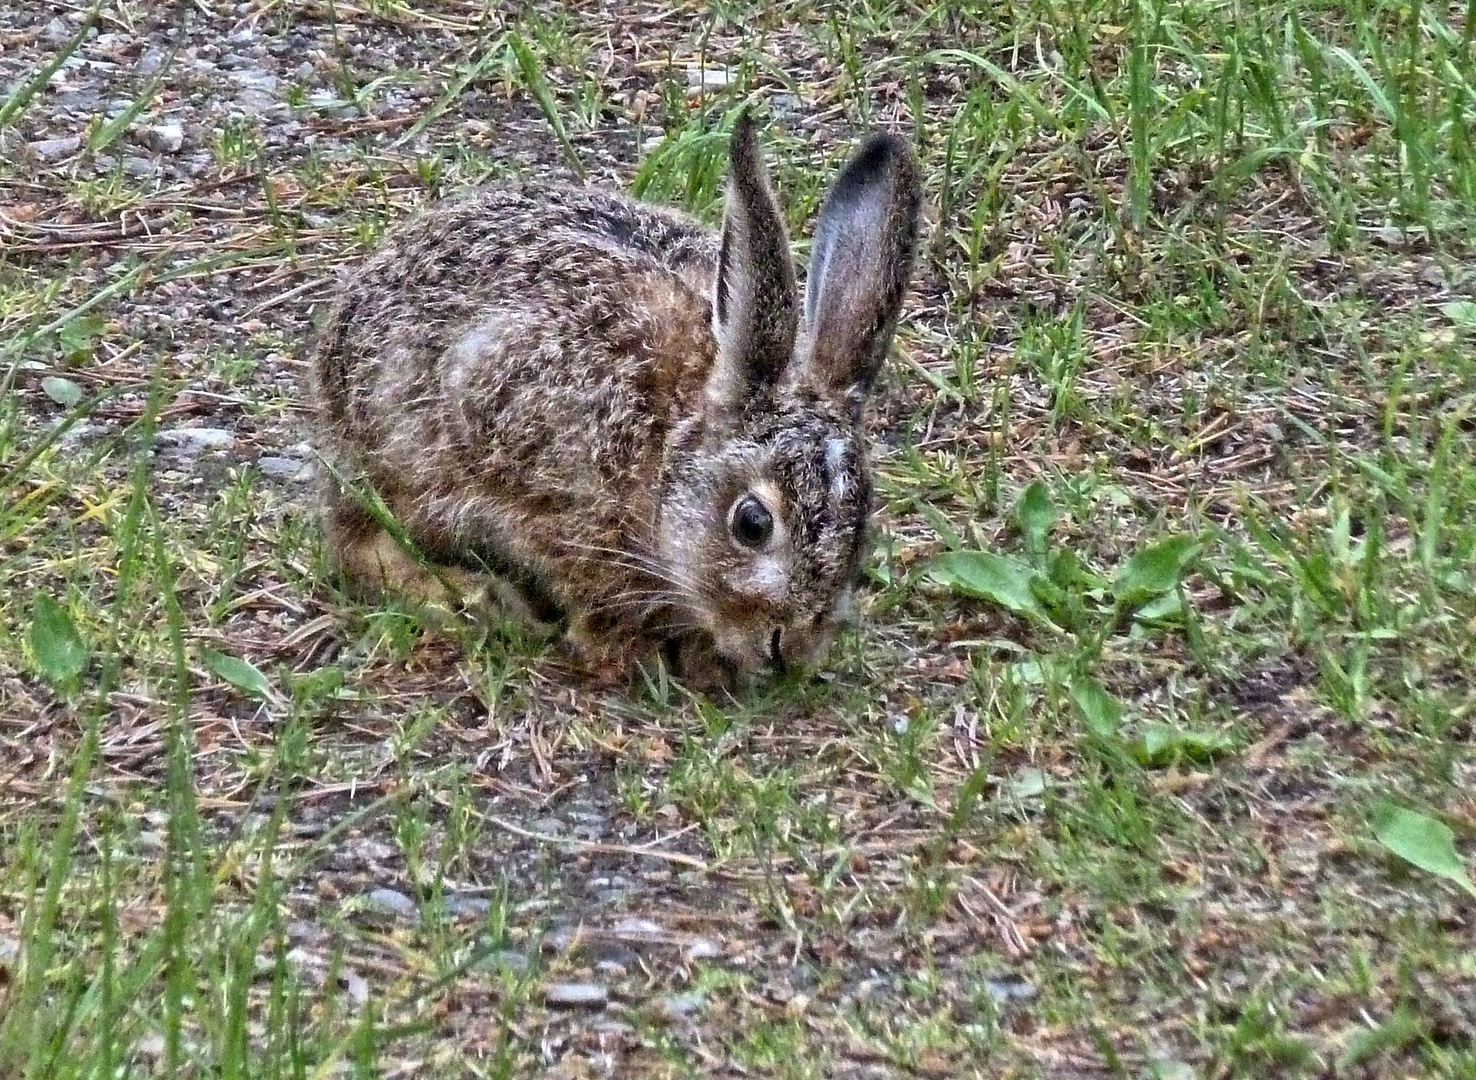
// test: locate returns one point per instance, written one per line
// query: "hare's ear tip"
(743, 149)
(745, 127)
(882, 160)
(887, 152)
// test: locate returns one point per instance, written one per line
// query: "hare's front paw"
(603, 657)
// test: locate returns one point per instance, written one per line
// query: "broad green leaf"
(1160, 744)
(1034, 515)
(1166, 606)
(1047, 591)
(1101, 711)
(79, 335)
(241, 674)
(996, 578)
(1027, 783)
(1424, 842)
(1460, 312)
(1154, 570)
(61, 391)
(1028, 672)
(1069, 572)
(57, 649)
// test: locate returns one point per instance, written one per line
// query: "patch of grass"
(1172, 595)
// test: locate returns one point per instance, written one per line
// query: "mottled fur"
(569, 391)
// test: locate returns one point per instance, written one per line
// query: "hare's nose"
(776, 653)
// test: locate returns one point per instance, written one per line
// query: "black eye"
(751, 522)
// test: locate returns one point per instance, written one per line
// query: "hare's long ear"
(860, 263)
(754, 304)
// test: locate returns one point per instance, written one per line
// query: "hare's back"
(559, 328)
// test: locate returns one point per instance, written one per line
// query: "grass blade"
(109, 132)
(21, 97)
(453, 91)
(537, 83)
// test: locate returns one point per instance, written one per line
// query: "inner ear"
(860, 264)
(755, 311)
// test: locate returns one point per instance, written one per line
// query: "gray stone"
(576, 995)
(679, 1006)
(703, 949)
(57, 32)
(458, 905)
(151, 61)
(390, 902)
(710, 78)
(506, 960)
(164, 138)
(638, 928)
(81, 100)
(285, 468)
(609, 956)
(80, 433)
(783, 106)
(192, 440)
(252, 78)
(355, 985)
(1009, 989)
(330, 104)
(253, 102)
(52, 149)
(140, 168)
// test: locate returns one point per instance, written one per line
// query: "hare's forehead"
(821, 477)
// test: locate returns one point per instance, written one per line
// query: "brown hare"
(625, 420)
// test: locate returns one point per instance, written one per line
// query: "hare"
(625, 420)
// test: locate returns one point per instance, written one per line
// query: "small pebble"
(1009, 989)
(702, 79)
(576, 995)
(164, 138)
(195, 439)
(52, 149)
(457, 905)
(151, 61)
(140, 168)
(250, 78)
(508, 960)
(57, 32)
(702, 949)
(678, 1006)
(638, 928)
(284, 468)
(390, 902)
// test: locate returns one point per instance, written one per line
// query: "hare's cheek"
(765, 581)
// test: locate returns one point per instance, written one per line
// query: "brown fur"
(534, 382)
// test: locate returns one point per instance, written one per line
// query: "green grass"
(1174, 593)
